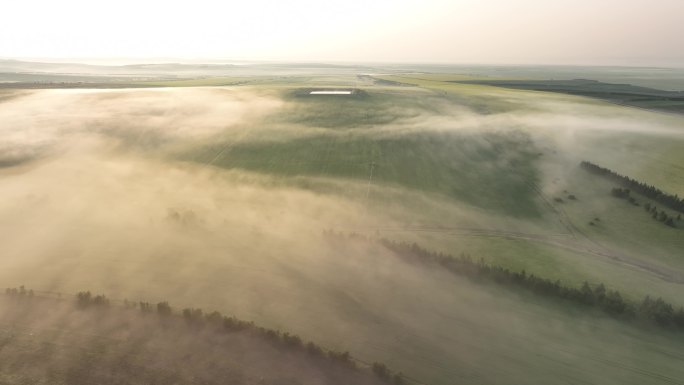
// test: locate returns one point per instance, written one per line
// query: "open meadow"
(222, 193)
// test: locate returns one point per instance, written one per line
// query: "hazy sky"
(630, 32)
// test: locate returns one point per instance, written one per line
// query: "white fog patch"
(32, 123)
(558, 117)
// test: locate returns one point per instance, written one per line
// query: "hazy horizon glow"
(610, 32)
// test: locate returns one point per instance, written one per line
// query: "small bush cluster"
(387, 375)
(85, 299)
(662, 216)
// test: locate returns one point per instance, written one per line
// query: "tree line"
(668, 200)
(197, 319)
(19, 291)
(660, 216)
(653, 311)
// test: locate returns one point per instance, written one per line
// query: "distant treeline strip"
(653, 311)
(650, 311)
(197, 319)
(672, 201)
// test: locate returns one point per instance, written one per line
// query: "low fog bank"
(50, 120)
(90, 174)
(94, 198)
(381, 308)
(84, 207)
(57, 341)
(37, 122)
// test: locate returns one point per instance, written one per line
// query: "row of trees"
(19, 292)
(672, 201)
(661, 215)
(197, 319)
(655, 311)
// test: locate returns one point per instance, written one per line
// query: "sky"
(589, 32)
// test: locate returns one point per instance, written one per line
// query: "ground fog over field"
(221, 198)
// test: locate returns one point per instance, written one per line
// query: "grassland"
(624, 94)
(500, 171)
(444, 163)
(195, 199)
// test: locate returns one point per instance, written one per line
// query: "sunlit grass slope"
(492, 171)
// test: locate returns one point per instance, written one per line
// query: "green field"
(217, 193)
(623, 94)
